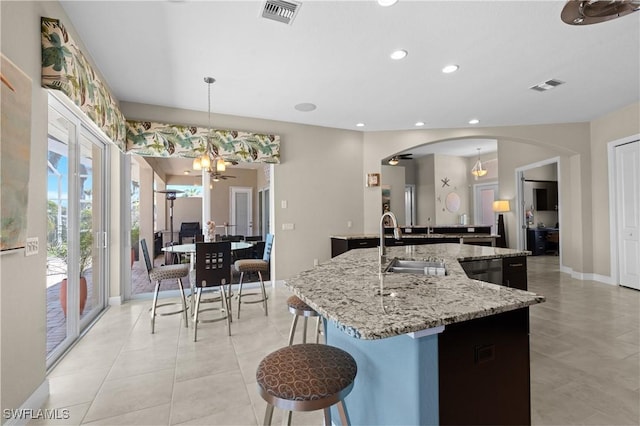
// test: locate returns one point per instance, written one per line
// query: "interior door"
(485, 195)
(628, 208)
(241, 214)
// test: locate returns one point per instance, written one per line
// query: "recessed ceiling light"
(474, 121)
(186, 172)
(450, 68)
(386, 3)
(420, 123)
(360, 125)
(399, 54)
(305, 107)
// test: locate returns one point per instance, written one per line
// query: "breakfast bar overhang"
(430, 349)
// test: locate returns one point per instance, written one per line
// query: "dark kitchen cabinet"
(484, 366)
(514, 272)
(341, 245)
(546, 197)
(538, 240)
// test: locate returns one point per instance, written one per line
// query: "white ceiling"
(336, 55)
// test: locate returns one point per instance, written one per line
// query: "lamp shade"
(501, 206)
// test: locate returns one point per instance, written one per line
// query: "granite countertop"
(409, 236)
(348, 291)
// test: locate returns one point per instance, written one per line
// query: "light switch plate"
(288, 226)
(32, 246)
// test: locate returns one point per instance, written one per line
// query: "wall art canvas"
(15, 153)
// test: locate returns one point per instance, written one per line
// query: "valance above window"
(65, 68)
(171, 140)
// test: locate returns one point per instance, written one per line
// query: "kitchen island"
(430, 349)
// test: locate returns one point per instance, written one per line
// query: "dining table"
(190, 249)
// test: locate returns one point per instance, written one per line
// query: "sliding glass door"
(76, 240)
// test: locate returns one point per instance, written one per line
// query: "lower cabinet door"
(484, 371)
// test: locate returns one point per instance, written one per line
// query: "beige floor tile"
(152, 416)
(64, 416)
(74, 389)
(240, 416)
(207, 395)
(121, 396)
(142, 361)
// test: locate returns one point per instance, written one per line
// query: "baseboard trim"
(29, 409)
(115, 301)
(604, 279)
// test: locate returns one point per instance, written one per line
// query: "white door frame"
(233, 191)
(519, 208)
(613, 221)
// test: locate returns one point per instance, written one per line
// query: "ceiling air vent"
(280, 10)
(547, 85)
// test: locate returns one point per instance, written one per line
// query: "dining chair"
(165, 272)
(255, 265)
(212, 271)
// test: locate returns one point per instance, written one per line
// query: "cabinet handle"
(516, 265)
(362, 243)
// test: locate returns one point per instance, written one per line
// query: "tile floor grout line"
(124, 342)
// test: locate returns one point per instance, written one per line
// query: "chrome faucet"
(397, 234)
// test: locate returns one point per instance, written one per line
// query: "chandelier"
(208, 161)
(477, 170)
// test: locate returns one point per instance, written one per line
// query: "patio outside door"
(76, 222)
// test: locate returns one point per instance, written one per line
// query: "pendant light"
(204, 161)
(477, 170)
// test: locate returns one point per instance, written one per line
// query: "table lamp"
(501, 206)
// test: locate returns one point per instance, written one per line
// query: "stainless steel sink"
(420, 267)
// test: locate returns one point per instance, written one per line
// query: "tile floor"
(584, 361)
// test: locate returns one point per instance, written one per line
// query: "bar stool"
(255, 265)
(306, 377)
(160, 273)
(300, 309)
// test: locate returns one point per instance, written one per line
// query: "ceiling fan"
(217, 176)
(396, 158)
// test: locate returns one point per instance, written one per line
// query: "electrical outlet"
(349, 224)
(32, 246)
(288, 226)
(315, 262)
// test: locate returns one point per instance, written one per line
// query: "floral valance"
(172, 140)
(65, 68)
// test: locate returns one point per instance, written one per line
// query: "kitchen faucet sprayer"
(397, 234)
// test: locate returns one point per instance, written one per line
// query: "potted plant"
(135, 243)
(61, 251)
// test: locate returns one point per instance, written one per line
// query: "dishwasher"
(487, 270)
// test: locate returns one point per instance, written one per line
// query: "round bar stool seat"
(306, 377)
(300, 309)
